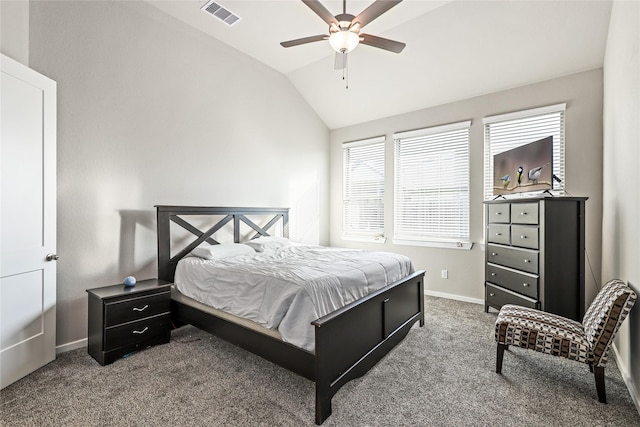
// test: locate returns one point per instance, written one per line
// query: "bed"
(346, 343)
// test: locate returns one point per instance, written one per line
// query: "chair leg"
(499, 357)
(599, 374)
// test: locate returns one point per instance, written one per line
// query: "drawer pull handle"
(523, 237)
(498, 234)
(141, 309)
(525, 285)
(498, 213)
(523, 213)
(492, 295)
(142, 331)
(494, 254)
(526, 260)
(493, 274)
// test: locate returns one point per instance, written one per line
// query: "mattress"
(288, 288)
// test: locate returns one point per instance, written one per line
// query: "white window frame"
(433, 228)
(528, 126)
(349, 197)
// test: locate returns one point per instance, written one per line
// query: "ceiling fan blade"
(304, 40)
(375, 10)
(340, 62)
(382, 43)
(321, 11)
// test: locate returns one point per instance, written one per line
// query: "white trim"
(434, 244)
(628, 381)
(360, 142)
(432, 130)
(71, 346)
(368, 239)
(525, 113)
(453, 297)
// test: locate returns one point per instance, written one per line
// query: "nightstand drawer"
(141, 330)
(496, 297)
(514, 280)
(136, 308)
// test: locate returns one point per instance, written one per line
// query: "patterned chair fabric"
(587, 342)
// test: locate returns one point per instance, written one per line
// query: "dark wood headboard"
(233, 216)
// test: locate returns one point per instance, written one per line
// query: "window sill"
(435, 244)
(367, 239)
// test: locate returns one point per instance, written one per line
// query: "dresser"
(535, 254)
(124, 319)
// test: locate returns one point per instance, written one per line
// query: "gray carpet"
(441, 375)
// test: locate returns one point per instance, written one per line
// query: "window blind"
(508, 131)
(363, 188)
(432, 184)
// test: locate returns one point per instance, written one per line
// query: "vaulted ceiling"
(455, 49)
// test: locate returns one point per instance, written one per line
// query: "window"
(507, 131)
(432, 186)
(363, 189)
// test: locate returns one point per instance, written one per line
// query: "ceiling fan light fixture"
(344, 41)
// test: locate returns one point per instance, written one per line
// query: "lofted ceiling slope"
(455, 49)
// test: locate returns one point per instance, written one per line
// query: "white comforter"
(289, 288)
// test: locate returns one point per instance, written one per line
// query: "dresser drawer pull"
(498, 213)
(523, 237)
(142, 331)
(498, 234)
(494, 254)
(141, 309)
(493, 274)
(525, 285)
(492, 294)
(523, 213)
(527, 261)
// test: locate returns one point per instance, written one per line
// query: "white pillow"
(223, 250)
(269, 243)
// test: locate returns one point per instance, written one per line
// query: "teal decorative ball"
(129, 281)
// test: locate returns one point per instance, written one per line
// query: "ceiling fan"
(344, 29)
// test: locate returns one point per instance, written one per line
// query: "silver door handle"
(141, 309)
(142, 331)
(52, 257)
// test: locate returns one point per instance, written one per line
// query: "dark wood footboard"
(351, 340)
(348, 342)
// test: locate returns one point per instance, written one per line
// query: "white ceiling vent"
(220, 12)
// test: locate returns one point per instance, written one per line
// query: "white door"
(27, 221)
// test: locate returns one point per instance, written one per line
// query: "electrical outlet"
(444, 274)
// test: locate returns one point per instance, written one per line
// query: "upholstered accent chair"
(587, 342)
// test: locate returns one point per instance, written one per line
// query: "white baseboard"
(71, 346)
(453, 296)
(633, 391)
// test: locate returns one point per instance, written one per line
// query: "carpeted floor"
(441, 375)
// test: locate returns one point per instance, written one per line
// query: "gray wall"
(151, 111)
(14, 30)
(583, 94)
(621, 194)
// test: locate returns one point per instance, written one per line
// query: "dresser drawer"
(136, 308)
(524, 213)
(499, 213)
(525, 236)
(129, 333)
(498, 233)
(514, 280)
(520, 259)
(496, 297)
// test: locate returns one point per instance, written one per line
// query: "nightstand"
(126, 319)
